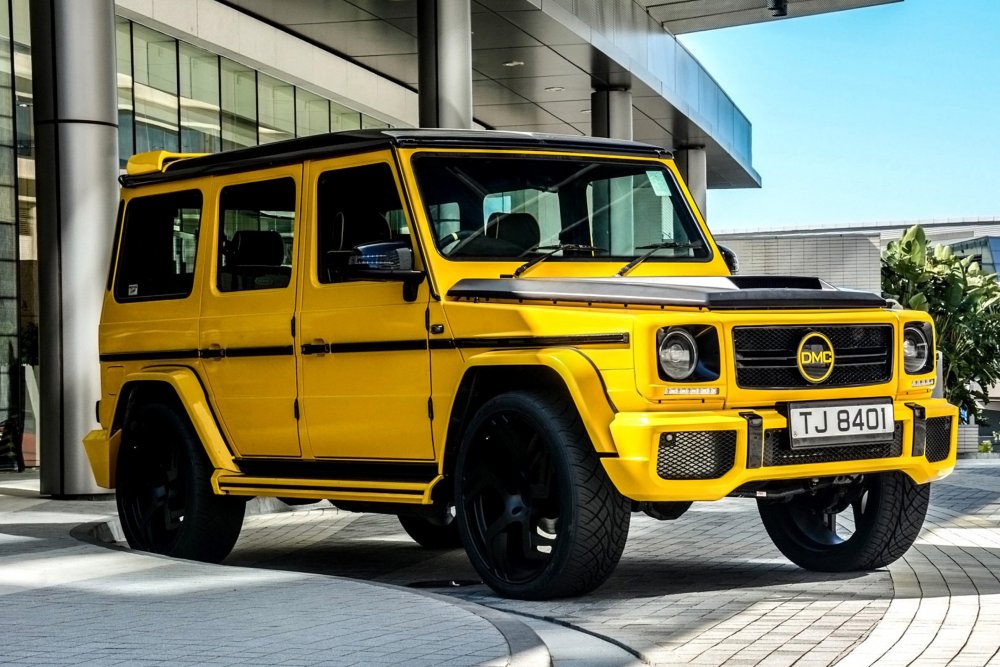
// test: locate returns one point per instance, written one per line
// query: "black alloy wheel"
(538, 516)
(861, 526)
(164, 495)
(430, 534)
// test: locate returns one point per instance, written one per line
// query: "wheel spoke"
(484, 479)
(830, 522)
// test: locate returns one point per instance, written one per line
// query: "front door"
(246, 325)
(365, 368)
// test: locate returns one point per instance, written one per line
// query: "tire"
(431, 535)
(538, 516)
(888, 511)
(164, 495)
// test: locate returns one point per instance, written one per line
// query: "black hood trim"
(767, 293)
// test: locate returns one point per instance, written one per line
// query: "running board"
(227, 483)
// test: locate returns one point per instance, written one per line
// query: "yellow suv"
(511, 341)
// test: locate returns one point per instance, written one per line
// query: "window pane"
(343, 118)
(159, 246)
(200, 126)
(276, 106)
(123, 35)
(312, 114)
(155, 70)
(257, 227)
(369, 123)
(239, 105)
(346, 221)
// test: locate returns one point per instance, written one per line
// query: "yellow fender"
(102, 446)
(581, 378)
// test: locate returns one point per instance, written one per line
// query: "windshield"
(517, 207)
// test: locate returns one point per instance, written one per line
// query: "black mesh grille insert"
(938, 438)
(696, 454)
(765, 356)
(777, 451)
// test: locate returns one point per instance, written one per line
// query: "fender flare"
(187, 386)
(580, 376)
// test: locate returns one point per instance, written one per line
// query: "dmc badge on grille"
(815, 357)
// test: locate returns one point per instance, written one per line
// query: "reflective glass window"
(159, 246)
(312, 114)
(256, 227)
(343, 118)
(239, 105)
(276, 109)
(201, 131)
(123, 43)
(154, 68)
(370, 123)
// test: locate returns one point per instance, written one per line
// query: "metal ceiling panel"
(684, 16)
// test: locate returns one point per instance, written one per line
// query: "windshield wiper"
(652, 248)
(553, 249)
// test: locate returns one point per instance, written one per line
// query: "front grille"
(696, 454)
(765, 356)
(938, 439)
(778, 452)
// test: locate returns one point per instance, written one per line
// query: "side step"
(226, 482)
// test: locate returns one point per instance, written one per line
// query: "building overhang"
(684, 16)
(535, 65)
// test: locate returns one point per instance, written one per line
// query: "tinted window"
(256, 227)
(159, 246)
(357, 207)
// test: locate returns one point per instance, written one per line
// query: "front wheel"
(537, 514)
(164, 494)
(886, 512)
(431, 535)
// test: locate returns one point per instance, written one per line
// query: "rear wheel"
(164, 494)
(538, 515)
(862, 526)
(431, 535)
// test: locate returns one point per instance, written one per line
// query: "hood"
(713, 293)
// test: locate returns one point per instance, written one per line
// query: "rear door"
(246, 334)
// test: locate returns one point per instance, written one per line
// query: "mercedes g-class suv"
(511, 341)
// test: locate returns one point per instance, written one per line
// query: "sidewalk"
(65, 601)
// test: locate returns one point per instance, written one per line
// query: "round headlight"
(916, 349)
(678, 354)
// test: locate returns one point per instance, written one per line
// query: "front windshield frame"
(682, 207)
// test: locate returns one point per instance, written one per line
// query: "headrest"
(360, 227)
(520, 229)
(248, 248)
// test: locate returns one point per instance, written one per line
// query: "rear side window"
(159, 246)
(256, 234)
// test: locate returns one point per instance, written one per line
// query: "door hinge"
(430, 408)
(295, 408)
(293, 326)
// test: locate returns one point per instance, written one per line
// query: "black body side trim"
(544, 341)
(150, 355)
(272, 351)
(379, 346)
(294, 487)
(373, 471)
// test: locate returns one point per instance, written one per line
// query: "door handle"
(319, 346)
(214, 351)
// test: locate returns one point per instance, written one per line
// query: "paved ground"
(710, 588)
(707, 589)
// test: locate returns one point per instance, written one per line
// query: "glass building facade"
(171, 96)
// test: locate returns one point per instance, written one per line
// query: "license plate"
(831, 423)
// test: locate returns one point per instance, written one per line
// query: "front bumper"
(706, 455)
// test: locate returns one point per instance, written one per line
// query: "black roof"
(359, 141)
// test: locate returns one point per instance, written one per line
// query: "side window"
(256, 234)
(158, 247)
(360, 222)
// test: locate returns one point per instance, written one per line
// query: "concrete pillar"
(76, 134)
(693, 164)
(611, 114)
(444, 43)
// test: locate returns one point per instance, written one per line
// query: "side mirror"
(732, 261)
(390, 260)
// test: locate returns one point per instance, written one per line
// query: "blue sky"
(885, 113)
